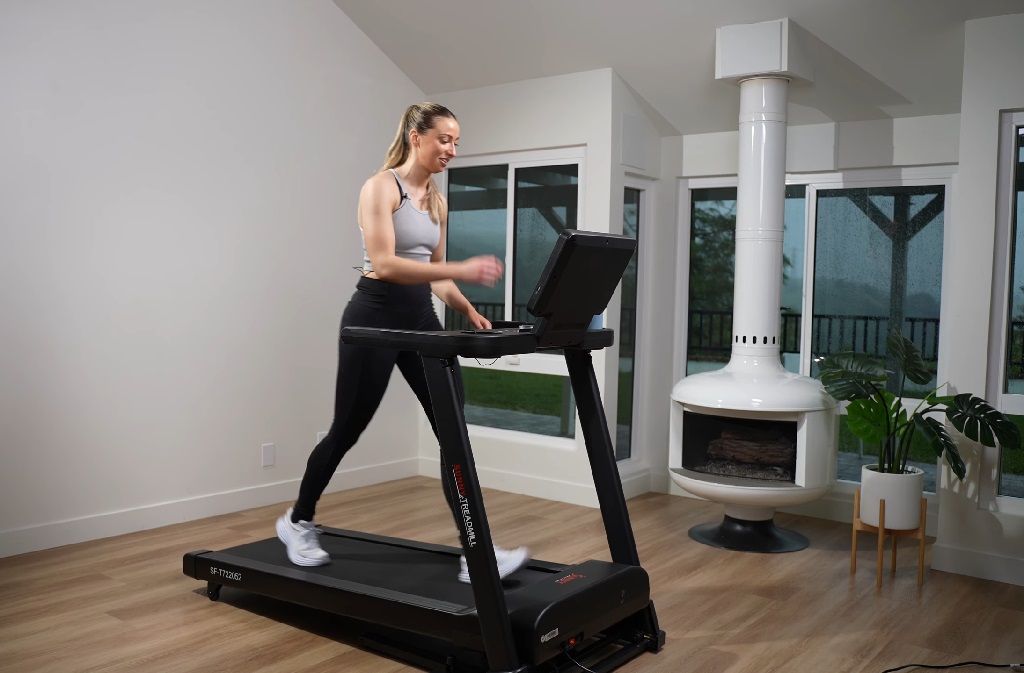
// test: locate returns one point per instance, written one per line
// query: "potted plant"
(876, 414)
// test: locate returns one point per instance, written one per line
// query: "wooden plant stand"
(917, 533)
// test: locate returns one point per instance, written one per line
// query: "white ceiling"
(873, 59)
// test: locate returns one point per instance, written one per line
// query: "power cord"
(566, 650)
(1012, 667)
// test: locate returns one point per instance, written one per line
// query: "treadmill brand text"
(467, 516)
(226, 574)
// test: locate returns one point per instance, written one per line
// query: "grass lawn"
(532, 393)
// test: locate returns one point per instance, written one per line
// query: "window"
(477, 205)
(545, 203)
(712, 260)
(535, 395)
(1008, 350)
(877, 267)
(871, 257)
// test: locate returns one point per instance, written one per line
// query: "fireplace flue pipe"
(760, 204)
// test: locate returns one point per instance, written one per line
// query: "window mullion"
(806, 308)
(510, 223)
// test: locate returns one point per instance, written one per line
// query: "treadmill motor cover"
(576, 604)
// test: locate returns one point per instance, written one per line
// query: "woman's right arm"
(377, 201)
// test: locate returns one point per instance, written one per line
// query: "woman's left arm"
(447, 291)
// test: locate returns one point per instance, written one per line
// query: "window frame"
(637, 459)
(1008, 403)
(536, 363)
(864, 179)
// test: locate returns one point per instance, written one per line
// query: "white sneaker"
(509, 561)
(302, 541)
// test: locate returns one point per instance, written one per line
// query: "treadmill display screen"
(577, 283)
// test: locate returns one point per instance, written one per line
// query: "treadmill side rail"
(348, 599)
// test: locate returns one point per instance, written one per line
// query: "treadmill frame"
(576, 284)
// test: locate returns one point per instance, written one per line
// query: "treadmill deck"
(413, 572)
(414, 587)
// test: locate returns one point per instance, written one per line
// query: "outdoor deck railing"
(710, 334)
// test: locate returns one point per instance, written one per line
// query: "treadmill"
(405, 595)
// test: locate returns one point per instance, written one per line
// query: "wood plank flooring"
(122, 604)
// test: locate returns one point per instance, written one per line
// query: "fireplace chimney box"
(766, 48)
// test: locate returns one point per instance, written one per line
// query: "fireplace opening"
(746, 448)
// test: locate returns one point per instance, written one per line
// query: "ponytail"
(421, 117)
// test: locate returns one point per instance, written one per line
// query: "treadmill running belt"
(423, 573)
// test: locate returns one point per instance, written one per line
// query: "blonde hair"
(421, 117)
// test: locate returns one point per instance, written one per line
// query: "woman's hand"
(477, 320)
(482, 270)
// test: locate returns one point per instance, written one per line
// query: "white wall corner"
(671, 157)
(661, 482)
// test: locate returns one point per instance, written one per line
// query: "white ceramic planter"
(901, 492)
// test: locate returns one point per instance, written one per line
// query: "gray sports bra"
(416, 235)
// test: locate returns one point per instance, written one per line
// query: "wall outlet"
(320, 436)
(268, 454)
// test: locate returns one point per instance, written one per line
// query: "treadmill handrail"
(465, 343)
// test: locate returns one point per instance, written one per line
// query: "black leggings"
(363, 374)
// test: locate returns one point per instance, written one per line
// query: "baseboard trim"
(982, 565)
(837, 505)
(636, 483)
(93, 527)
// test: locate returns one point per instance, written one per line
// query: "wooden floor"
(123, 604)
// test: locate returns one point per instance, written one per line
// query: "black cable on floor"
(566, 651)
(1014, 667)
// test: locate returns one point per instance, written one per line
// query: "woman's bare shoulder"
(380, 185)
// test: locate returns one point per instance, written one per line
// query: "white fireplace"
(753, 435)
(744, 401)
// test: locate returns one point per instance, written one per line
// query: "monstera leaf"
(848, 376)
(942, 444)
(908, 356)
(872, 418)
(977, 420)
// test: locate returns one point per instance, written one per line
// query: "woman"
(402, 218)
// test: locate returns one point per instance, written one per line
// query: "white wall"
(985, 541)
(178, 187)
